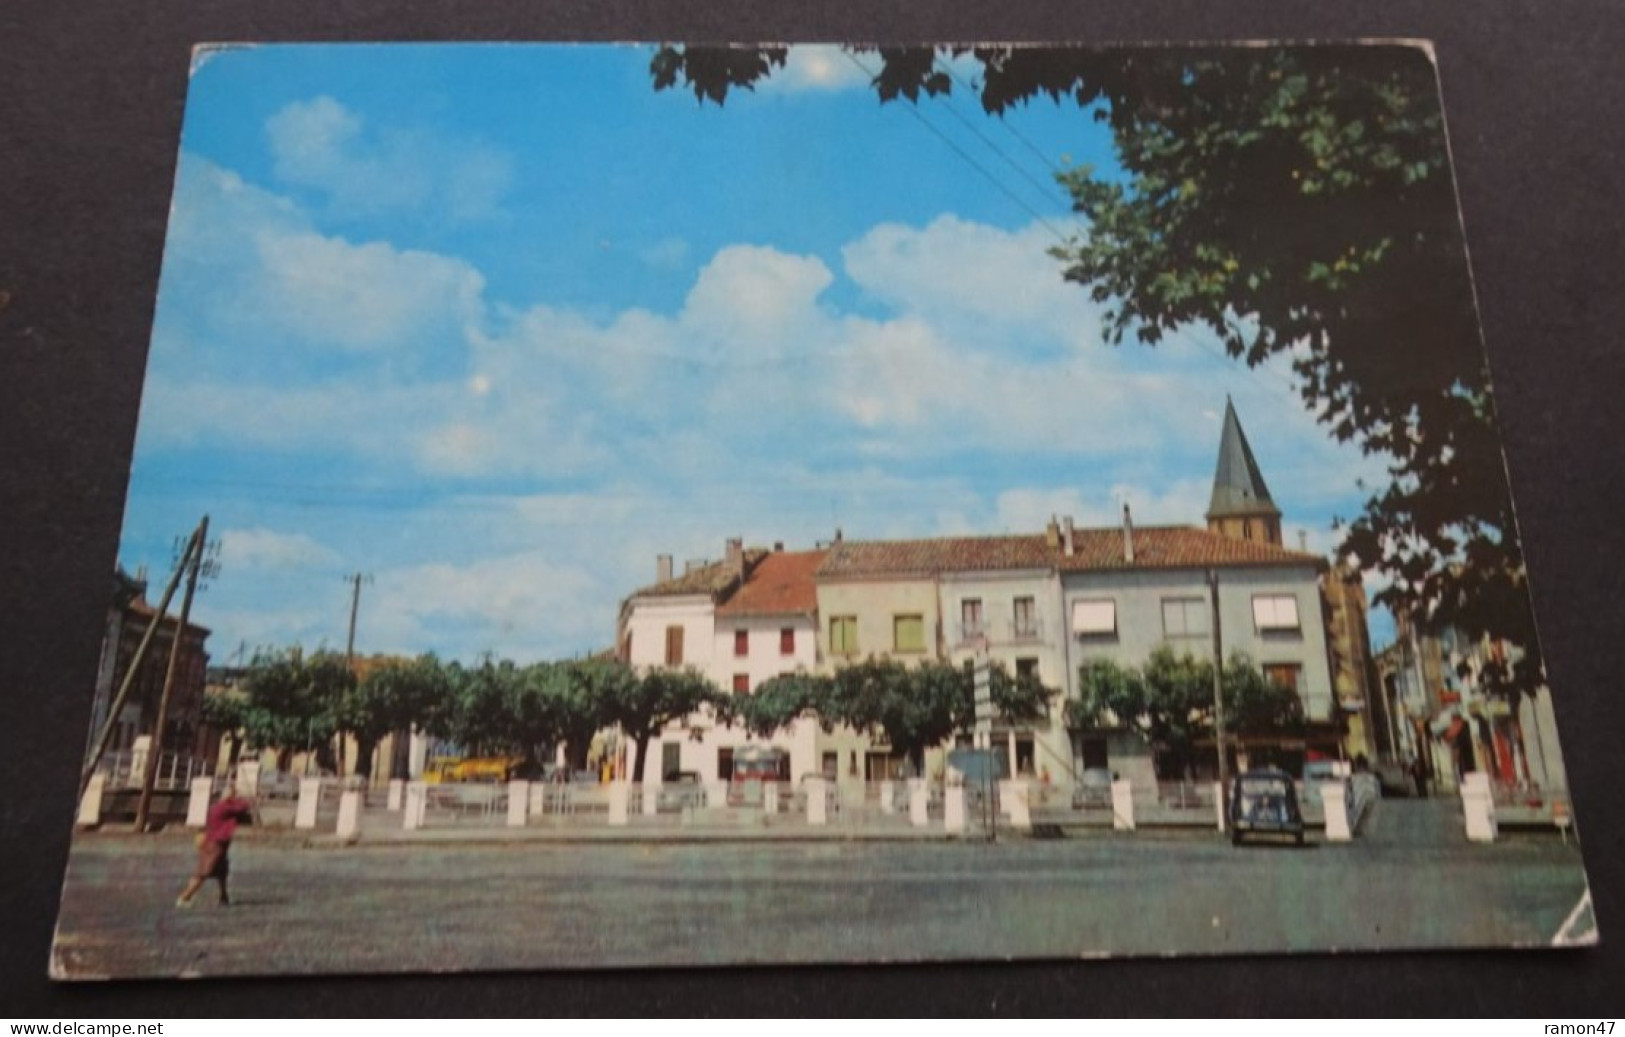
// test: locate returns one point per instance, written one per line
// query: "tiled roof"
(780, 584)
(713, 578)
(141, 607)
(929, 557)
(1174, 547)
(1155, 547)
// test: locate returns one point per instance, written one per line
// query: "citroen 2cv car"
(1264, 802)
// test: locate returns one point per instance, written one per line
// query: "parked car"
(1264, 802)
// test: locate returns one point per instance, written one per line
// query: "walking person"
(214, 846)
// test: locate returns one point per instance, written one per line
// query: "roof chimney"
(662, 568)
(733, 553)
(837, 534)
(1052, 534)
(1128, 534)
(1303, 540)
(1068, 541)
(778, 546)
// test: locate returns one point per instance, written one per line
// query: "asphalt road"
(1410, 882)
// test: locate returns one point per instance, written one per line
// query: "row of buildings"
(1042, 603)
(1445, 711)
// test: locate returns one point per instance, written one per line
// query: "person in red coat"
(214, 846)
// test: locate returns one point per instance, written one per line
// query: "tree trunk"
(364, 747)
(642, 742)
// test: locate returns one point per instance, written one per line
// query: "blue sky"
(498, 324)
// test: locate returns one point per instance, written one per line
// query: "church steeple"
(1241, 506)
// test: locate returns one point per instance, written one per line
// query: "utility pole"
(193, 561)
(1218, 681)
(354, 580)
(136, 661)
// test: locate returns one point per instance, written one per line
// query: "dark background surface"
(89, 126)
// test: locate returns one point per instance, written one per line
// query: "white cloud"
(761, 407)
(1182, 502)
(960, 271)
(266, 548)
(321, 144)
(372, 295)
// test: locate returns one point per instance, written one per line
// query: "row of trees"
(1170, 702)
(289, 702)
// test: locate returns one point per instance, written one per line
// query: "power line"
(966, 157)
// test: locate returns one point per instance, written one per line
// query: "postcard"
(670, 505)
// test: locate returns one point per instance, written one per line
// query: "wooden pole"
(149, 776)
(129, 674)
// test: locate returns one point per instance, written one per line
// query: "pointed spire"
(1238, 485)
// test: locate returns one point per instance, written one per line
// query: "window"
(908, 633)
(725, 763)
(1283, 675)
(1026, 668)
(1094, 618)
(843, 635)
(741, 684)
(674, 646)
(741, 642)
(1184, 617)
(787, 641)
(970, 619)
(1275, 612)
(1026, 618)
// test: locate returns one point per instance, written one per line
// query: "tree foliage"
(1169, 702)
(394, 696)
(644, 706)
(914, 707)
(1293, 202)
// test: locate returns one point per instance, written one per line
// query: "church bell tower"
(1241, 507)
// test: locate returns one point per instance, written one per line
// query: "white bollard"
(617, 804)
(770, 798)
(417, 802)
(397, 794)
(90, 807)
(197, 803)
(1015, 793)
(538, 799)
(1122, 806)
(248, 779)
(1220, 807)
(310, 796)
(518, 803)
(716, 795)
(817, 809)
(918, 801)
(651, 800)
(1478, 810)
(953, 808)
(888, 798)
(349, 815)
(138, 759)
(1334, 803)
